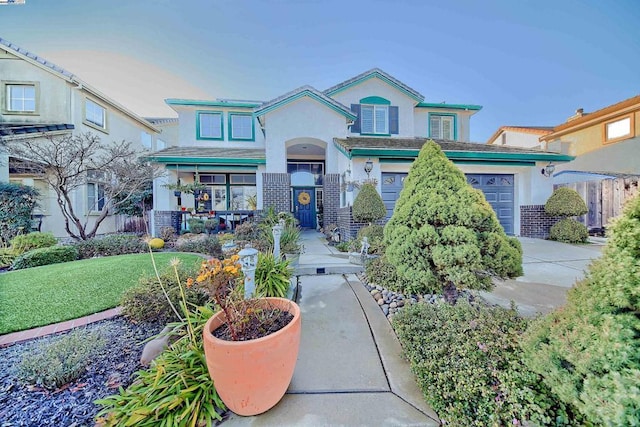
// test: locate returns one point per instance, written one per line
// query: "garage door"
(497, 188)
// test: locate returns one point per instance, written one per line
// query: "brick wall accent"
(331, 198)
(276, 191)
(166, 219)
(348, 227)
(534, 222)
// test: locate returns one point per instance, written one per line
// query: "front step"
(312, 270)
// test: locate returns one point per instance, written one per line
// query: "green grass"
(54, 293)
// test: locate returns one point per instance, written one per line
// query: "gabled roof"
(409, 148)
(70, 77)
(535, 130)
(302, 92)
(584, 120)
(375, 73)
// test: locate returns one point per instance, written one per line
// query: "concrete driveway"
(550, 270)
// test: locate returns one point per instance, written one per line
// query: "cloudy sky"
(525, 62)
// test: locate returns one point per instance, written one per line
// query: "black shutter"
(393, 120)
(355, 127)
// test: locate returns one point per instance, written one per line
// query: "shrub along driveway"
(54, 293)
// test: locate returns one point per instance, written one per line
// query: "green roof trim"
(375, 74)
(470, 107)
(311, 95)
(207, 161)
(466, 162)
(458, 155)
(212, 168)
(199, 103)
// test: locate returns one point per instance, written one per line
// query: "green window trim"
(208, 138)
(230, 127)
(455, 124)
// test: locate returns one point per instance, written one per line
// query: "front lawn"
(54, 293)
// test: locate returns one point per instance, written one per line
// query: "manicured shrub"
(196, 225)
(168, 234)
(156, 243)
(368, 205)
(16, 206)
(565, 202)
(147, 302)
(381, 272)
(201, 244)
(468, 363)
(112, 244)
(25, 242)
(375, 236)
(273, 276)
(568, 230)
(59, 362)
(588, 351)
(443, 234)
(45, 256)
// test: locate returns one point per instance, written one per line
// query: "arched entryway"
(306, 165)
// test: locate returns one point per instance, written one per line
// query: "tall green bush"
(443, 234)
(566, 202)
(16, 207)
(368, 205)
(588, 351)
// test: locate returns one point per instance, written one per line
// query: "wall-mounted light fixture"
(368, 167)
(548, 170)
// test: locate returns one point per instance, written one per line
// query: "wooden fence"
(605, 198)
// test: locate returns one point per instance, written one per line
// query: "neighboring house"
(39, 99)
(519, 136)
(606, 145)
(301, 151)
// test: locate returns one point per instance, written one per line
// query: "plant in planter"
(251, 346)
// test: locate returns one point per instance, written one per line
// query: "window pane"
(219, 198)
(619, 129)
(366, 114)
(240, 197)
(21, 98)
(94, 113)
(381, 120)
(435, 127)
(241, 127)
(210, 125)
(145, 138)
(447, 128)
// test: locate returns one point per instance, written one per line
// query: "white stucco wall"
(376, 87)
(302, 118)
(517, 139)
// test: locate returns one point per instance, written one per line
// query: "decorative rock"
(374, 291)
(378, 287)
(378, 297)
(380, 302)
(393, 304)
(154, 347)
(400, 303)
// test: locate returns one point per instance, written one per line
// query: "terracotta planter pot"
(252, 376)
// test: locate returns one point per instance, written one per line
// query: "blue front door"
(304, 206)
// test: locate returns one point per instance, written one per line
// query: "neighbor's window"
(442, 127)
(375, 119)
(618, 129)
(209, 125)
(21, 98)
(95, 114)
(146, 139)
(95, 196)
(240, 126)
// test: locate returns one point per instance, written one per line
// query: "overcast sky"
(525, 62)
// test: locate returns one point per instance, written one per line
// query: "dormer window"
(375, 119)
(442, 126)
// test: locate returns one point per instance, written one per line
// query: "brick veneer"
(276, 191)
(348, 227)
(331, 198)
(534, 222)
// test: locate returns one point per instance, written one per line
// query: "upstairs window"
(375, 119)
(241, 126)
(210, 125)
(95, 115)
(146, 140)
(21, 98)
(442, 127)
(619, 129)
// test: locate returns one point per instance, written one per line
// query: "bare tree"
(70, 162)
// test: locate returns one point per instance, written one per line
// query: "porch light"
(368, 167)
(548, 170)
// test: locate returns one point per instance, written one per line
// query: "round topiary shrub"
(156, 244)
(368, 205)
(565, 202)
(569, 230)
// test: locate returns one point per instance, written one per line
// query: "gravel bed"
(72, 405)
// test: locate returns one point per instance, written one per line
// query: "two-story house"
(301, 152)
(39, 99)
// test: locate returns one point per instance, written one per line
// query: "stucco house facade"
(38, 99)
(301, 151)
(519, 136)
